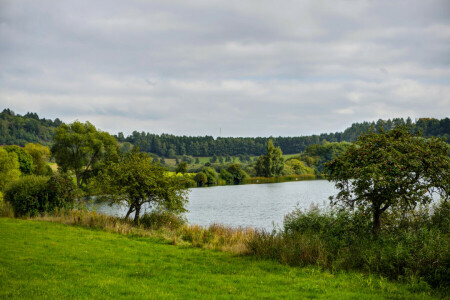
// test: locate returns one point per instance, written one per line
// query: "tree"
(40, 155)
(25, 160)
(136, 181)
(201, 178)
(237, 174)
(272, 163)
(211, 175)
(182, 168)
(390, 169)
(83, 149)
(9, 168)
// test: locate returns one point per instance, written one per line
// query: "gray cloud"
(254, 68)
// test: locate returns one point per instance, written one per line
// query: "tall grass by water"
(412, 246)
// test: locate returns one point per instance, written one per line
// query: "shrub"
(412, 245)
(33, 194)
(160, 218)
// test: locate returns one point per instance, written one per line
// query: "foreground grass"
(50, 260)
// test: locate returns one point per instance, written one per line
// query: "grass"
(51, 260)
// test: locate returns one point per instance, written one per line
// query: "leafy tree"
(83, 149)
(40, 155)
(201, 178)
(390, 169)
(272, 163)
(211, 175)
(182, 168)
(197, 161)
(9, 168)
(136, 181)
(298, 167)
(237, 174)
(225, 175)
(25, 160)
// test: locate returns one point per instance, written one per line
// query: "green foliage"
(26, 165)
(136, 181)
(236, 173)
(211, 175)
(297, 167)
(225, 175)
(157, 219)
(201, 179)
(9, 168)
(19, 130)
(40, 155)
(387, 169)
(83, 149)
(182, 167)
(417, 247)
(30, 195)
(272, 163)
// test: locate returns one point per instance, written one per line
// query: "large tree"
(390, 169)
(272, 163)
(81, 148)
(136, 181)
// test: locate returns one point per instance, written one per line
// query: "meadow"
(41, 260)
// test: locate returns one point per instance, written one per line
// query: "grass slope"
(50, 260)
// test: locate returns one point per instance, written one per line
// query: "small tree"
(182, 167)
(201, 178)
(136, 181)
(237, 174)
(272, 163)
(386, 169)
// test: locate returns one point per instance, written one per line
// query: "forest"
(20, 130)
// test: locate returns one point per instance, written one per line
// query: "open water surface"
(252, 205)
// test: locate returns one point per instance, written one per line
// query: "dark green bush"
(33, 194)
(159, 218)
(409, 246)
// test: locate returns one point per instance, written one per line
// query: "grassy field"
(50, 260)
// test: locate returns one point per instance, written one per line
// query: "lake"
(252, 205)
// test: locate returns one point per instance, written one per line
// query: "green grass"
(51, 260)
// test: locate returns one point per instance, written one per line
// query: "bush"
(409, 246)
(33, 194)
(157, 219)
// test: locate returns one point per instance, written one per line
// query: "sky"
(230, 68)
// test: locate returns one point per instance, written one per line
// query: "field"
(51, 260)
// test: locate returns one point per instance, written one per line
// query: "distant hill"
(19, 130)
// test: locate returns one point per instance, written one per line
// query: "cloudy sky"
(251, 68)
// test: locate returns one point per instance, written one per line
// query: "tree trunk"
(130, 210)
(136, 216)
(376, 226)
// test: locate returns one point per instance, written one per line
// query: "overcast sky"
(251, 68)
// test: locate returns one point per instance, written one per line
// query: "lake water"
(252, 205)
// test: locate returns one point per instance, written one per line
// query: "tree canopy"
(136, 181)
(272, 163)
(81, 148)
(390, 169)
(9, 168)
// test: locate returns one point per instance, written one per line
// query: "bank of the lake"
(49, 260)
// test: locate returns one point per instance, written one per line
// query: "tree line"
(20, 130)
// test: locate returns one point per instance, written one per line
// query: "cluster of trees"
(170, 145)
(20, 130)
